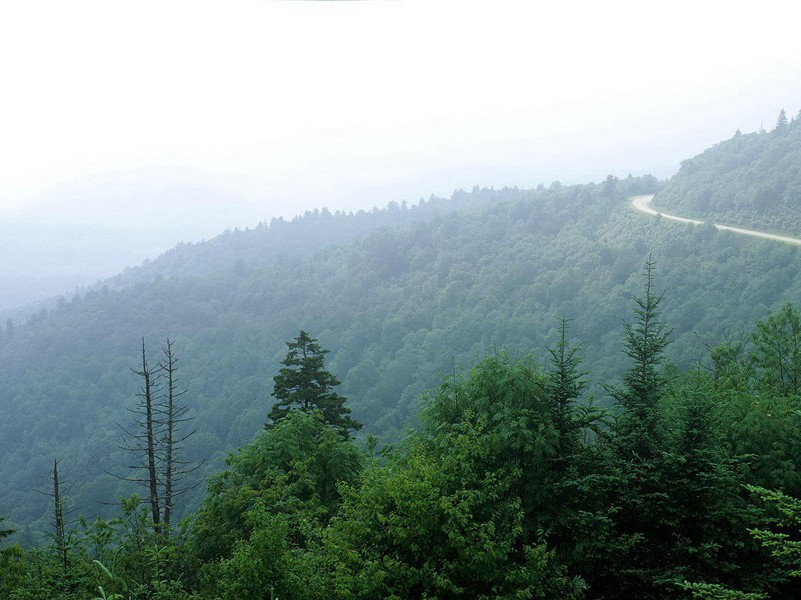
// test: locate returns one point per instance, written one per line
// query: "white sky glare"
(295, 105)
(257, 90)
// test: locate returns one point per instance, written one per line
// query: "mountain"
(240, 248)
(751, 180)
(398, 308)
(93, 228)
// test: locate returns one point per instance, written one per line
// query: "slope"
(397, 308)
(751, 180)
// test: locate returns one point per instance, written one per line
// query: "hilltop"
(750, 180)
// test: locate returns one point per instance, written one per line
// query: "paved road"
(643, 204)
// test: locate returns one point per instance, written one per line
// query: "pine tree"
(565, 386)
(645, 342)
(304, 384)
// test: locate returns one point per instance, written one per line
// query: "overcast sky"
(292, 105)
(270, 96)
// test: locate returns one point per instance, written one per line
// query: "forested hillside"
(404, 299)
(511, 487)
(751, 180)
(277, 240)
(299, 237)
(398, 309)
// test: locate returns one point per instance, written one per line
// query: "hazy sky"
(291, 105)
(347, 95)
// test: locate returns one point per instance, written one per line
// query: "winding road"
(643, 204)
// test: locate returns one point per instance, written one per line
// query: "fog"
(128, 127)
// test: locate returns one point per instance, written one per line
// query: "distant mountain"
(750, 180)
(93, 228)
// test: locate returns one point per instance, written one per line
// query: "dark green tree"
(643, 384)
(564, 387)
(304, 384)
(453, 511)
(642, 513)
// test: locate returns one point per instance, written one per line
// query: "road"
(643, 204)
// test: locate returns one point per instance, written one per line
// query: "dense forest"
(510, 488)
(399, 308)
(544, 394)
(751, 180)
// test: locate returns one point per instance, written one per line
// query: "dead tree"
(61, 538)
(157, 439)
(60, 515)
(142, 442)
(172, 414)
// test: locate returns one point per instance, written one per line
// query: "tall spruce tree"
(304, 384)
(642, 510)
(643, 384)
(564, 387)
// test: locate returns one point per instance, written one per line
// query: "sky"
(270, 108)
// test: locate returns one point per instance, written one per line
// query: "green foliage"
(713, 591)
(565, 385)
(303, 384)
(758, 384)
(291, 469)
(638, 431)
(783, 544)
(447, 515)
(675, 488)
(777, 353)
(510, 489)
(751, 180)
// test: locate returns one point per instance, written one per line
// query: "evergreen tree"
(564, 386)
(782, 127)
(304, 384)
(646, 339)
(643, 516)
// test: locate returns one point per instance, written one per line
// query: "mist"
(127, 134)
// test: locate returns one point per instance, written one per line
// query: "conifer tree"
(304, 384)
(645, 342)
(565, 385)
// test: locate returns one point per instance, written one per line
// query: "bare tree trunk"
(173, 414)
(169, 369)
(147, 399)
(61, 540)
